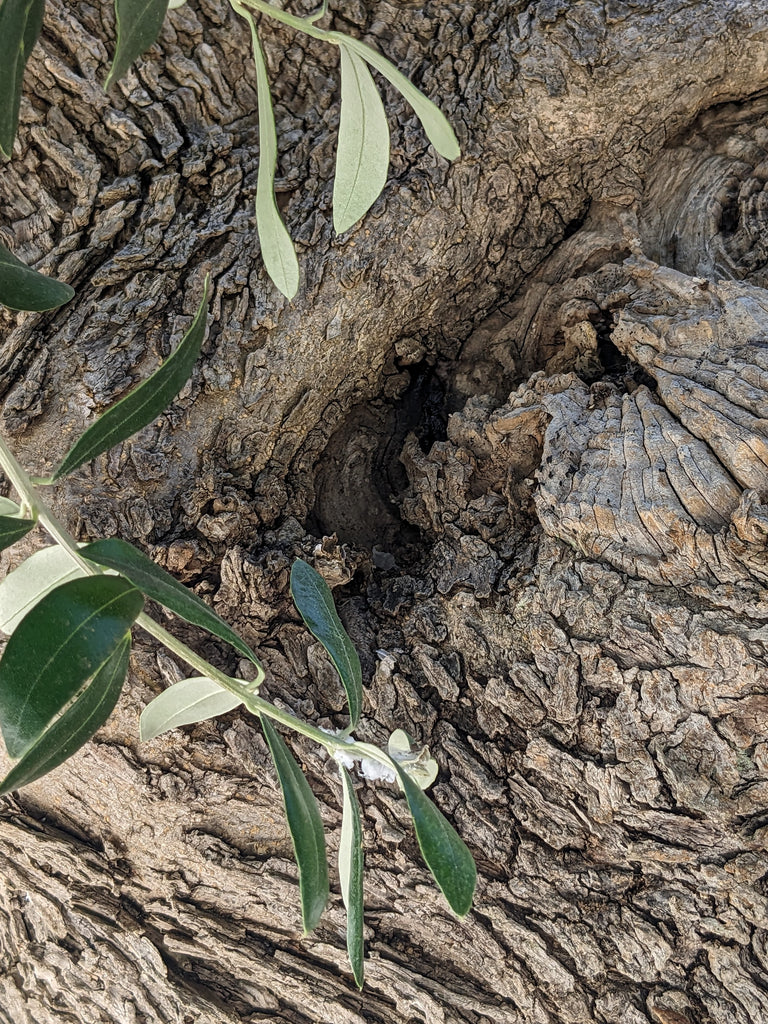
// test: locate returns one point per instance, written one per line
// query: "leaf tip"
(461, 902)
(290, 289)
(462, 907)
(310, 915)
(342, 223)
(449, 147)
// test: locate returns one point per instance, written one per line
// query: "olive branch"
(69, 609)
(362, 154)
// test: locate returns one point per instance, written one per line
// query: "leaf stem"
(18, 477)
(300, 24)
(255, 704)
(245, 691)
(319, 13)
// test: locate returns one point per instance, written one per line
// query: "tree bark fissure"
(528, 393)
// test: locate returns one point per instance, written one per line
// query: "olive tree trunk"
(518, 417)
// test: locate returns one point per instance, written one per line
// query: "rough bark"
(529, 396)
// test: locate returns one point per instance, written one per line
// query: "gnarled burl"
(529, 397)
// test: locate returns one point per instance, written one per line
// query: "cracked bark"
(529, 395)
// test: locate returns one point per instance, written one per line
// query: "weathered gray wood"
(564, 594)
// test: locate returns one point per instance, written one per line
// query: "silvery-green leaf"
(362, 157)
(185, 703)
(37, 576)
(416, 761)
(351, 875)
(277, 249)
(434, 122)
(399, 744)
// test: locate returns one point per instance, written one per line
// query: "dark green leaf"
(433, 121)
(305, 826)
(144, 403)
(66, 734)
(138, 26)
(20, 24)
(277, 249)
(312, 596)
(157, 584)
(185, 703)
(351, 875)
(60, 644)
(445, 853)
(13, 529)
(362, 157)
(23, 288)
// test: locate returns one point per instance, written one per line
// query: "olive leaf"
(28, 584)
(445, 853)
(160, 586)
(351, 875)
(145, 403)
(362, 157)
(312, 596)
(277, 249)
(81, 718)
(13, 529)
(66, 639)
(305, 826)
(138, 26)
(185, 703)
(21, 287)
(13, 525)
(433, 121)
(20, 24)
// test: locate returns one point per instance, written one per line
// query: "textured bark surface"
(529, 396)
